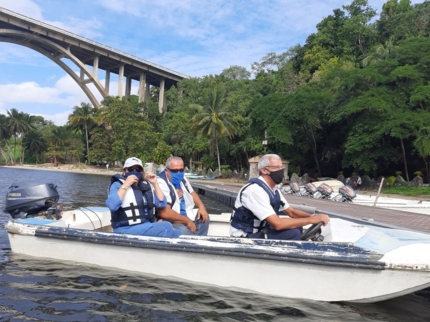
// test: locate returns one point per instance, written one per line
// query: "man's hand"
(132, 179)
(191, 226)
(320, 217)
(202, 214)
(151, 178)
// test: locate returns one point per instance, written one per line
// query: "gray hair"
(173, 158)
(265, 160)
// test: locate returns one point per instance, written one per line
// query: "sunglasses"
(138, 169)
(176, 170)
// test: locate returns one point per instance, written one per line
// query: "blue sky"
(193, 37)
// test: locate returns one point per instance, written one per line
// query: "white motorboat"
(355, 262)
(401, 204)
(410, 205)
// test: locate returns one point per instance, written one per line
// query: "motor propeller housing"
(28, 198)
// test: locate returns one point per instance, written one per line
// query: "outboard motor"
(312, 191)
(296, 190)
(29, 198)
(325, 190)
(346, 194)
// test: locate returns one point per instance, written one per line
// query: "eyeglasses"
(138, 169)
(275, 166)
(176, 170)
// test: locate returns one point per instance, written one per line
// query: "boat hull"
(303, 270)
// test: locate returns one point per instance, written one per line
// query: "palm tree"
(28, 123)
(214, 118)
(380, 52)
(83, 118)
(59, 136)
(35, 143)
(20, 123)
(422, 144)
(5, 136)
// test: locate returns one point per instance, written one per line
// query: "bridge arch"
(55, 53)
(56, 43)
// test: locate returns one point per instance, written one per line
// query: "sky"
(193, 37)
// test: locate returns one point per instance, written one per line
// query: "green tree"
(82, 118)
(36, 143)
(215, 119)
(20, 124)
(4, 138)
(57, 141)
(236, 73)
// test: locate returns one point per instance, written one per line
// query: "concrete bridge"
(58, 44)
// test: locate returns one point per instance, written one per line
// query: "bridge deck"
(402, 219)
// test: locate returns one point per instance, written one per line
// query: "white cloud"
(30, 92)
(24, 7)
(60, 98)
(83, 27)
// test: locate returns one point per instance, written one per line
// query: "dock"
(226, 193)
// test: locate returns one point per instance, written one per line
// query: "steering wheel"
(308, 234)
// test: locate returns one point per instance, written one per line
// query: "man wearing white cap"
(132, 202)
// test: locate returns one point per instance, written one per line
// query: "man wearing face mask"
(181, 199)
(132, 202)
(255, 213)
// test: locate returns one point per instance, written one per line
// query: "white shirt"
(188, 198)
(257, 200)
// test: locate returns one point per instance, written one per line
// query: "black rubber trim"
(317, 254)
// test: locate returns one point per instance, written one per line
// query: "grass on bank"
(408, 191)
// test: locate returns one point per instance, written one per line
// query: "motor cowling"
(295, 188)
(312, 190)
(28, 198)
(347, 192)
(325, 190)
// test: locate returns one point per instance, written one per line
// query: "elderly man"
(181, 199)
(255, 213)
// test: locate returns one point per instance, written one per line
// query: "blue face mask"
(139, 175)
(177, 177)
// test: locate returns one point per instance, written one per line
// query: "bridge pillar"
(147, 92)
(82, 74)
(127, 88)
(142, 86)
(161, 97)
(107, 81)
(96, 67)
(120, 79)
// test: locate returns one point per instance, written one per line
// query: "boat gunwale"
(288, 251)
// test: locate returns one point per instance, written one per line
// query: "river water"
(41, 290)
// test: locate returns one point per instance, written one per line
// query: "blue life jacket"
(243, 218)
(140, 208)
(163, 176)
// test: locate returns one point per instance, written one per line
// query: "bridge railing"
(68, 33)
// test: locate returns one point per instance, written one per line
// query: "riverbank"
(98, 170)
(82, 168)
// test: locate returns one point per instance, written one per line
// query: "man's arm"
(202, 212)
(296, 213)
(279, 223)
(172, 216)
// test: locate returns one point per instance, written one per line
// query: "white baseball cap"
(131, 162)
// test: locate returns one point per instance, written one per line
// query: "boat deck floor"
(402, 219)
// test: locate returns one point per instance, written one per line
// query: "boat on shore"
(419, 206)
(356, 262)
